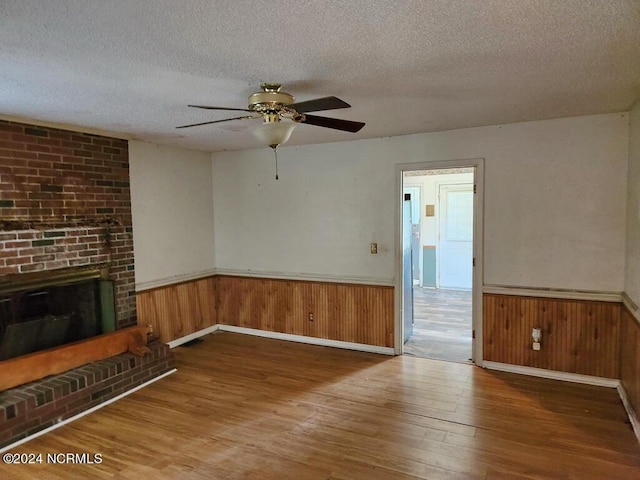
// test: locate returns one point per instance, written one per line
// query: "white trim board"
(323, 342)
(598, 296)
(86, 412)
(308, 277)
(173, 280)
(553, 374)
(192, 336)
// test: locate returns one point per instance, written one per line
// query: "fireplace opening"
(48, 316)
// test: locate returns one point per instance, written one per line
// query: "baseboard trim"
(552, 374)
(308, 277)
(593, 295)
(192, 336)
(633, 418)
(86, 412)
(323, 342)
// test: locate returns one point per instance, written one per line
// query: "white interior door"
(455, 236)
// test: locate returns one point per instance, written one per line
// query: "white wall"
(555, 196)
(172, 207)
(632, 283)
(319, 218)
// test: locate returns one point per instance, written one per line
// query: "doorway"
(441, 261)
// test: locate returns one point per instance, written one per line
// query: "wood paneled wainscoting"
(343, 312)
(352, 313)
(177, 310)
(630, 357)
(578, 336)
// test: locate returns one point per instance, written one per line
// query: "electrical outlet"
(536, 334)
(310, 317)
(374, 248)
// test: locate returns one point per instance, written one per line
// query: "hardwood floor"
(242, 407)
(442, 325)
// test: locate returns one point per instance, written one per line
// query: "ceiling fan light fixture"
(274, 133)
(274, 106)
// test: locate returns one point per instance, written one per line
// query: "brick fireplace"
(65, 214)
(64, 202)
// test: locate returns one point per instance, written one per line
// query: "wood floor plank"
(243, 407)
(442, 325)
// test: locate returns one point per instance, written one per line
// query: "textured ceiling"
(131, 67)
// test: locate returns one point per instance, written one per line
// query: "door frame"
(478, 237)
(438, 207)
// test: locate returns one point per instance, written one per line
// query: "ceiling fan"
(280, 114)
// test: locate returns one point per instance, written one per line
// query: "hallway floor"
(442, 325)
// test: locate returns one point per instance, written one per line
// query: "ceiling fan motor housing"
(271, 99)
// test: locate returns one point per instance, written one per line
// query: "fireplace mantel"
(28, 368)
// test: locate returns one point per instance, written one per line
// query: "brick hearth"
(35, 406)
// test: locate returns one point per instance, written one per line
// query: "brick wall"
(65, 201)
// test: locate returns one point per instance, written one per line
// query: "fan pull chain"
(275, 152)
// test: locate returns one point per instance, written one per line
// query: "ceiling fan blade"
(206, 107)
(335, 123)
(217, 121)
(324, 103)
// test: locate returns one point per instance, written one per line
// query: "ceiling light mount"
(270, 99)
